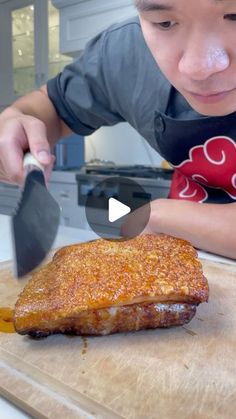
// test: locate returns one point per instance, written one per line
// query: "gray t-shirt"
(116, 79)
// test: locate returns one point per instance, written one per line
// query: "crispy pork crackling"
(103, 287)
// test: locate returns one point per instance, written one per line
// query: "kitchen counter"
(65, 236)
(70, 235)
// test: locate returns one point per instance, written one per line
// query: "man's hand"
(19, 133)
(31, 123)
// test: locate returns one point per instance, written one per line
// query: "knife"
(35, 222)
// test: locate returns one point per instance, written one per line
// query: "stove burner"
(130, 171)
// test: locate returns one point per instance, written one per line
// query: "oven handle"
(142, 195)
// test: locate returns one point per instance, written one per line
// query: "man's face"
(194, 44)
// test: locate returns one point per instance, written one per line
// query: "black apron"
(203, 153)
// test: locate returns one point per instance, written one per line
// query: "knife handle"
(31, 163)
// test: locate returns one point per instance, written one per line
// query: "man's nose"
(202, 59)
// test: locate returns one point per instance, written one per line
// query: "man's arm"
(210, 227)
(30, 123)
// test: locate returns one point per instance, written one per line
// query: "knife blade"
(35, 222)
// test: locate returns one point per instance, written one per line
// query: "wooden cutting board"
(183, 372)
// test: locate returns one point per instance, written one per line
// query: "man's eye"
(231, 16)
(168, 24)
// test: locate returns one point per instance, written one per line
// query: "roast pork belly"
(108, 286)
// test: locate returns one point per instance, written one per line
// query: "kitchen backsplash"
(122, 145)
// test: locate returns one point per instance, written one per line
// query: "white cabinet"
(82, 19)
(63, 187)
(23, 50)
(29, 47)
(9, 196)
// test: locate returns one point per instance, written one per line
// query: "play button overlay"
(117, 207)
(116, 210)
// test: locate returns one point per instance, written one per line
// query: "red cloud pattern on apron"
(212, 164)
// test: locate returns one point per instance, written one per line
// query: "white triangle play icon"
(116, 210)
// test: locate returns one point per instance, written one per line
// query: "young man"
(171, 73)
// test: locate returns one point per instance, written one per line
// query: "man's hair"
(137, 3)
